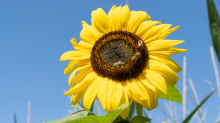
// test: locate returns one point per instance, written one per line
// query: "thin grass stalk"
(162, 110)
(218, 118)
(29, 112)
(212, 88)
(154, 117)
(97, 108)
(169, 110)
(175, 112)
(215, 69)
(184, 87)
(204, 115)
(127, 2)
(195, 96)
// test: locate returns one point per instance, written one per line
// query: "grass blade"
(214, 23)
(80, 106)
(97, 108)
(92, 106)
(15, 119)
(194, 111)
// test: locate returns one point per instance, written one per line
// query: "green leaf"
(214, 24)
(131, 109)
(194, 111)
(112, 115)
(140, 119)
(173, 95)
(108, 118)
(71, 117)
(89, 119)
(85, 117)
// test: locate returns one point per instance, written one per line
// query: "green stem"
(139, 109)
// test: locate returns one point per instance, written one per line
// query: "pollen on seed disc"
(114, 51)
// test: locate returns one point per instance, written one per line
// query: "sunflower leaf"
(112, 115)
(173, 95)
(140, 119)
(214, 24)
(85, 117)
(71, 117)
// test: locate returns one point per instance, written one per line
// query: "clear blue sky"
(34, 34)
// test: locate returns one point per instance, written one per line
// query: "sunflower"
(122, 56)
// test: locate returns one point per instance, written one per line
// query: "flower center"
(114, 51)
(119, 55)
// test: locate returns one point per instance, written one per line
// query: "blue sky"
(34, 34)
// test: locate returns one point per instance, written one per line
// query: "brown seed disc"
(119, 55)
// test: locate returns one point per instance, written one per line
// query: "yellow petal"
(137, 17)
(148, 105)
(111, 17)
(165, 71)
(163, 58)
(81, 46)
(125, 91)
(89, 34)
(166, 33)
(125, 16)
(119, 17)
(124, 113)
(162, 44)
(148, 93)
(145, 26)
(174, 50)
(91, 93)
(155, 32)
(83, 85)
(117, 94)
(136, 94)
(109, 94)
(102, 93)
(80, 76)
(148, 86)
(75, 55)
(157, 80)
(75, 98)
(169, 51)
(124, 99)
(69, 67)
(114, 16)
(100, 21)
(75, 70)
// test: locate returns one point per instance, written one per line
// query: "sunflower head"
(122, 56)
